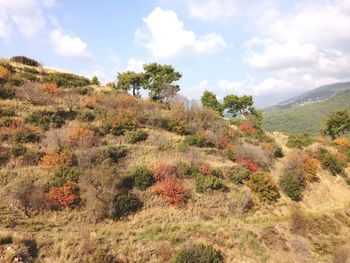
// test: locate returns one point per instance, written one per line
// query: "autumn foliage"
(342, 141)
(51, 88)
(311, 167)
(65, 196)
(246, 127)
(81, 136)
(171, 190)
(162, 171)
(253, 167)
(53, 159)
(205, 169)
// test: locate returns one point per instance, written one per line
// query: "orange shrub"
(253, 167)
(65, 196)
(51, 88)
(171, 190)
(4, 73)
(51, 160)
(311, 167)
(90, 102)
(342, 141)
(162, 171)
(81, 137)
(246, 127)
(342, 156)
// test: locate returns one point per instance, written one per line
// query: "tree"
(131, 80)
(210, 101)
(236, 104)
(337, 124)
(95, 81)
(158, 77)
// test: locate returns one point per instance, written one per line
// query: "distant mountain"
(316, 95)
(308, 117)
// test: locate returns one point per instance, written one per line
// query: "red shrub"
(223, 142)
(65, 196)
(205, 169)
(51, 88)
(246, 127)
(171, 190)
(249, 164)
(162, 171)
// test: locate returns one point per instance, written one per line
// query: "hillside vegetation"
(305, 119)
(89, 173)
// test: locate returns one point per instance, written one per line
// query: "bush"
(64, 174)
(299, 141)
(7, 112)
(278, 152)
(4, 155)
(32, 157)
(46, 119)
(6, 92)
(293, 184)
(136, 136)
(162, 171)
(66, 80)
(193, 140)
(125, 204)
(204, 183)
(311, 168)
(116, 152)
(143, 178)
(263, 185)
(86, 116)
(66, 196)
(26, 136)
(18, 150)
(26, 61)
(82, 137)
(239, 174)
(171, 190)
(183, 169)
(198, 254)
(331, 162)
(62, 158)
(249, 164)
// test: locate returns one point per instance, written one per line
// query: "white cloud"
(167, 37)
(135, 65)
(68, 46)
(24, 15)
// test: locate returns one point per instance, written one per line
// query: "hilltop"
(90, 173)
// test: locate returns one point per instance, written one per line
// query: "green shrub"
(4, 155)
(26, 61)
(32, 157)
(331, 162)
(198, 254)
(28, 76)
(5, 238)
(63, 174)
(6, 92)
(126, 182)
(278, 153)
(204, 183)
(86, 116)
(18, 150)
(263, 185)
(143, 177)
(136, 136)
(184, 169)
(66, 80)
(85, 90)
(299, 141)
(193, 140)
(217, 173)
(293, 184)
(31, 70)
(16, 80)
(125, 204)
(116, 152)
(7, 112)
(239, 174)
(47, 119)
(26, 136)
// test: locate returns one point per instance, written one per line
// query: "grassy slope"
(308, 118)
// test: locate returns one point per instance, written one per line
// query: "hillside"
(92, 174)
(316, 95)
(308, 118)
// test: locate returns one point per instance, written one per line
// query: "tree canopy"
(157, 79)
(337, 123)
(235, 104)
(95, 81)
(210, 101)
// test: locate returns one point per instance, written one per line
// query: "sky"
(269, 49)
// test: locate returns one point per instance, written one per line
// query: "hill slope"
(316, 95)
(308, 118)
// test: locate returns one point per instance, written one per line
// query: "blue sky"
(271, 50)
